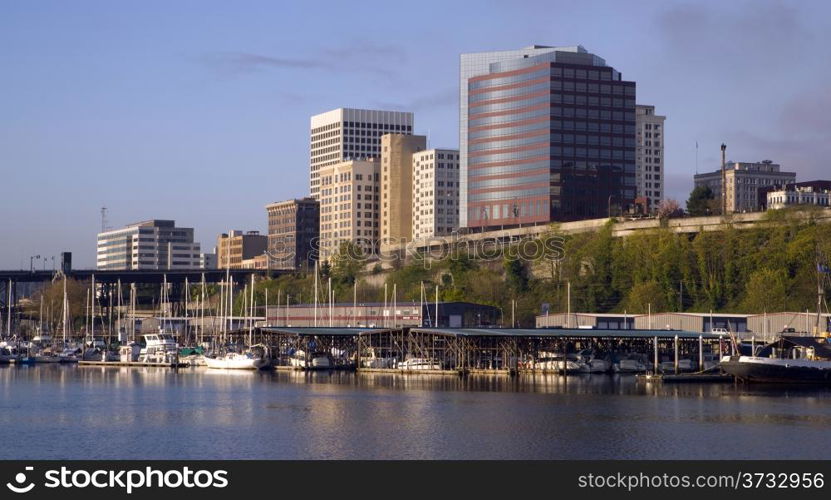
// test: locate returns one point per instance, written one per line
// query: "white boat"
(554, 362)
(317, 361)
(256, 358)
(594, 364)
(630, 364)
(159, 348)
(371, 360)
(419, 364)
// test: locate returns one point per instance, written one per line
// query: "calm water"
(72, 412)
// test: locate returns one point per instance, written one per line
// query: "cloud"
(751, 37)
(358, 56)
(446, 98)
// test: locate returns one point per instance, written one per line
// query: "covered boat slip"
(470, 350)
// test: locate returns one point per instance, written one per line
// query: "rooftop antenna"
(103, 219)
(723, 180)
(696, 157)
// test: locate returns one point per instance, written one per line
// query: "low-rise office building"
(743, 182)
(235, 247)
(149, 245)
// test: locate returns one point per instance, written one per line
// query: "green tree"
(643, 294)
(700, 201)
(766, 291)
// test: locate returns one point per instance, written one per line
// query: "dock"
(132, 364)
(680, 378)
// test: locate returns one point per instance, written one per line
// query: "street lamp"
(32, 262)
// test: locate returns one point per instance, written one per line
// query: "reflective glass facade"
(548, 137)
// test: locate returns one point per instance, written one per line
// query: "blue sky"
(198, 111)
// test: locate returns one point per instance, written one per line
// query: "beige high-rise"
(397, 186)
(349, 206)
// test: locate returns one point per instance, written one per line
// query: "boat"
(419, 364)
(631, 363)
(371, 360)
(69, 355)
(255, 358)
(159, 348)
(316, 361)
(594, 364)
(789, 359)
(554, 362)
(684, 365)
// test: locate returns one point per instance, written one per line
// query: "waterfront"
(72, 412)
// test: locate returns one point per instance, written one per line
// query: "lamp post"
(32, 262)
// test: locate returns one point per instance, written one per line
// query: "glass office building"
(549, 136)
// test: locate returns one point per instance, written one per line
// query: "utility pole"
(723, 179)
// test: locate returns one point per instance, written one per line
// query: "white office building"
(351, 134)
(435, 193)
(797, 195)
(649, 154)
(150, 245)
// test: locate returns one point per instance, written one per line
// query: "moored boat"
(790, 359)
(255, 358)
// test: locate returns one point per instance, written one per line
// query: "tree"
(766, 291)
(700, 202)
(668, 209)
(346, 263)
(642, 295)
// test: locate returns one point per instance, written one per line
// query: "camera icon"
(20, 478)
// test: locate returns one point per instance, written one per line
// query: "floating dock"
(717, 378)
(131, 364)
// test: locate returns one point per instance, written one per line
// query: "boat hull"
(237, 364)
(763, 370)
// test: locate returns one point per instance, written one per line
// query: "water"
(74, 412)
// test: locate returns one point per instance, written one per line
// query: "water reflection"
(58, 412)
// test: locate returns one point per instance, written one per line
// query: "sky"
(199, 111)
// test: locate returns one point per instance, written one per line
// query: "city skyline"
(223, 119)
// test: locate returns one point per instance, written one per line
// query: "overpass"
(137, 276)
(621, 228)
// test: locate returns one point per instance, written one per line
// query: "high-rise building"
(397, 186)
(293, 230)
(152, 245)
(743, 181)
(649, 155)
(547, 134)
(349, 193)
(351, 134)
(435, 193)
(235, 247)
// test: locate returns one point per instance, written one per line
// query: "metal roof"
(497, 332)
(566, 332)
(323, 331)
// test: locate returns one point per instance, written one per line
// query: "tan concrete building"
(234, 248)
(743, 181)
(349, 193)
(397, 185)
(293, 229)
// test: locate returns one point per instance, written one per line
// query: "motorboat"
(419, 364)
(255, 358)
(631, 363)
(594, 364)
(555, 362)
(158, 348)
(371, 360)
(684, 365)
(789, 359)
(315, 361)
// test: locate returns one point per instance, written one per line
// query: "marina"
(70, 412)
